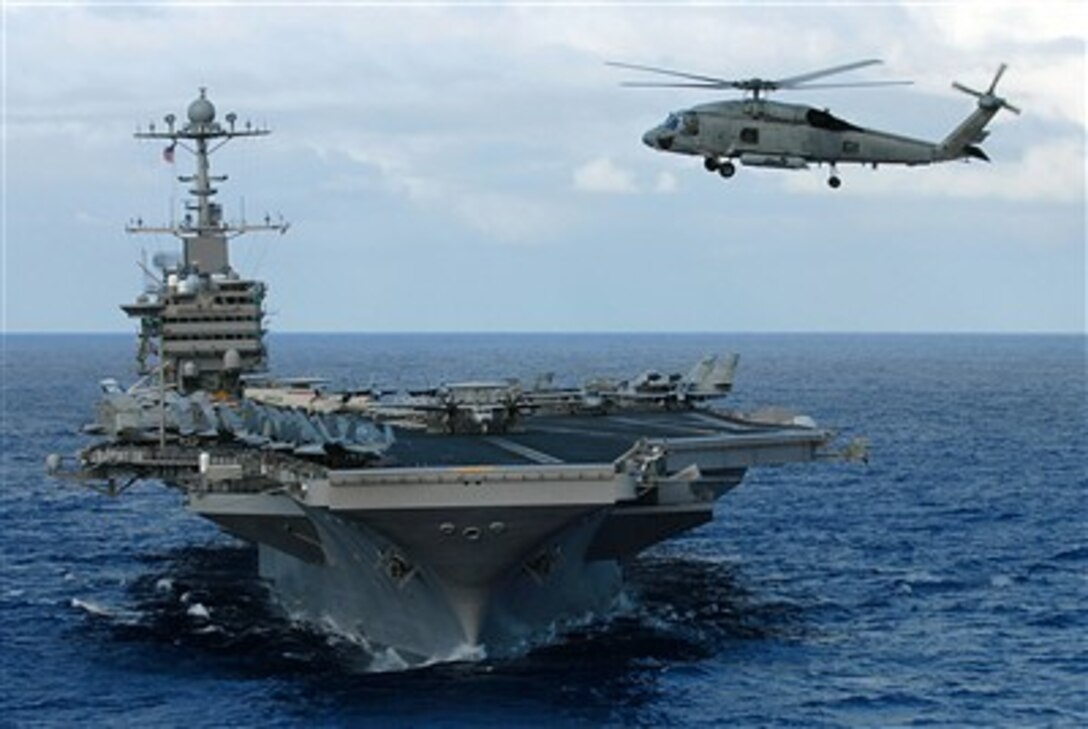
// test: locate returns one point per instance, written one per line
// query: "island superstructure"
(463, 519)
(202, 322)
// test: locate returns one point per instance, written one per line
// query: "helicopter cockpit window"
(672, 122)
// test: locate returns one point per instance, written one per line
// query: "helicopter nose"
(657, 139)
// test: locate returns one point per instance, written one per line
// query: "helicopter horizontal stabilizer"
(976, 152)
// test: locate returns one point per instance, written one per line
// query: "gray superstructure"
(200, 321)
(442, 523)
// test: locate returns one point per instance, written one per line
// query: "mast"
(205, 239)
(203, 322)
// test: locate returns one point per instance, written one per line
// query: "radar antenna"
(205, 236)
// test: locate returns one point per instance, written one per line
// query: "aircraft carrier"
(462, 520)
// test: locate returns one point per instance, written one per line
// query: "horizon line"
(600, 332)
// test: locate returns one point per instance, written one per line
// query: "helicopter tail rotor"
(963, 142)
(988, 99)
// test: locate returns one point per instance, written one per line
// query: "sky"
(479, 168)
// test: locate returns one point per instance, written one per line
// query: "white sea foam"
(197, 610)
(461, 653)
(100, 610)
(91, 607)
(387, 661)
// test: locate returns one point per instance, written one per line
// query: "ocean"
(945, 583)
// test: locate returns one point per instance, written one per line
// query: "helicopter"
(757, 132)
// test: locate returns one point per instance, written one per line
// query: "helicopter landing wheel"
(727, 169)
(710, 164)
(834, 182)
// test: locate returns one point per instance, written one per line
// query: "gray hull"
(449, 561)
(390, 597)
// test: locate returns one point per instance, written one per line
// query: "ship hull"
(437, 562)
(429, 609)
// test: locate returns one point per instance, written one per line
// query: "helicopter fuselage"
(762, 133)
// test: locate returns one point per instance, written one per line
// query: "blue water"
(946, 583)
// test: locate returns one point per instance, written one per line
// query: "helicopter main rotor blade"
(754, 85)
(812, 75)
(858, 84)
(669, 72)
(671, 85)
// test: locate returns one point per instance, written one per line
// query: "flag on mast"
(168, 153)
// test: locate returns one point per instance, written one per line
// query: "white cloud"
(1043, 43)
(508, 218)
(407, 170)
(603, 175)
(1051, 171)
(666, 182)
(976, 27)
(400, 175)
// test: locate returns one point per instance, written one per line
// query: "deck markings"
(525, 451)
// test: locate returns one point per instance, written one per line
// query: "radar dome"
(201, 111)
(232, 360)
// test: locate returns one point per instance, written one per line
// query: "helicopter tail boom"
(964, 140)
